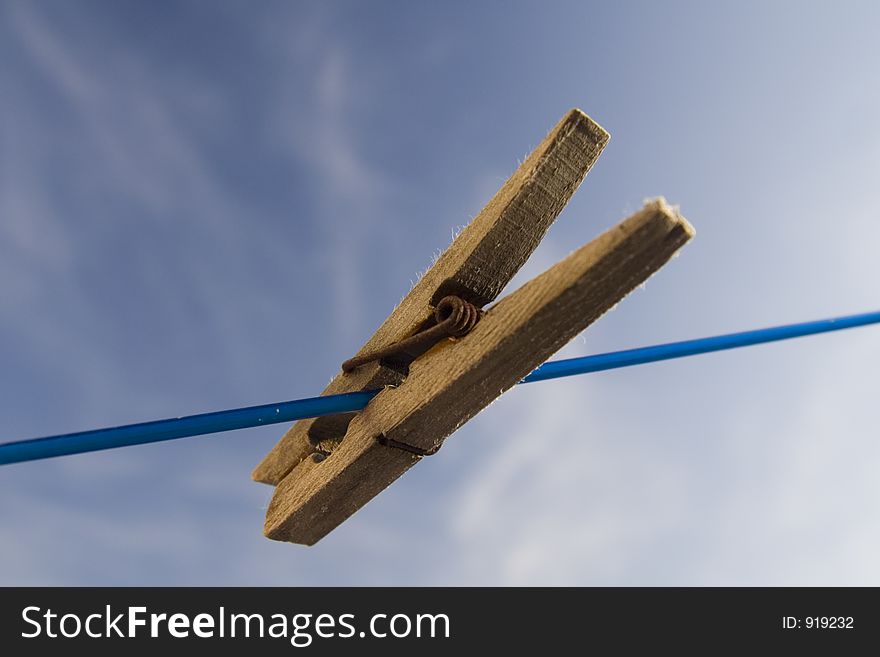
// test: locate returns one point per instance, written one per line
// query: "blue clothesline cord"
(613, 360)
(181, 427)
(255, 416)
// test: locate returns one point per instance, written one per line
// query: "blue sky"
(206, 205)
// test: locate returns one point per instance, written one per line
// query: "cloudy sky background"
(196, 209)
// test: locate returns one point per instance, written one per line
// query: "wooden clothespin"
(325, 469)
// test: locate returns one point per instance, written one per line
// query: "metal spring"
(454, 317)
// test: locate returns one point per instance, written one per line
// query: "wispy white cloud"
(550, 497)
(127, 119)
(319, 124)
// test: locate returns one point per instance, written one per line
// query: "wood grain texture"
(477, 266)
(456, 379)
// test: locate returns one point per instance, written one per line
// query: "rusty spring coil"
(454, 317)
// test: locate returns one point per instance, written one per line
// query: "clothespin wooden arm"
(456, 379)
(477, 266)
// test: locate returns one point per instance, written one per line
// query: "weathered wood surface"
(477, 266)
(456, 379)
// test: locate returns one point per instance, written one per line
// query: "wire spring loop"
(454, 317)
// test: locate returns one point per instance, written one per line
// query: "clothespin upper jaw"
(479, 263)
(451, 381)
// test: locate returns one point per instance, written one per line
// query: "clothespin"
(443, 355)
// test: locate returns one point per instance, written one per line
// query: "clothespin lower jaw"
(453, 381)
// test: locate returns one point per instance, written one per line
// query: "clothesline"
(298, 409)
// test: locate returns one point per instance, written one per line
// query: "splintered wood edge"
(455, 380)
(477, 265)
